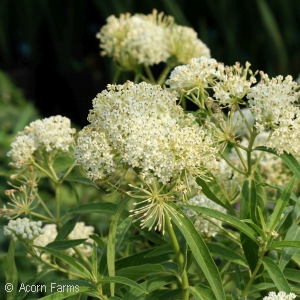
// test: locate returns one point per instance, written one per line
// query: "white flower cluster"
(202, 225)
(272, 103)
(23, 229)
(148, 39)
(140, 126)
(280, 296)
(183, 44)
(197, 75)
(233, 84)
(81, 231)
(50, 134)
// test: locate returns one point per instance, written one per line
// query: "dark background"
(49, 47)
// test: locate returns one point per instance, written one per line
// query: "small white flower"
(280, 296)
(49, 134)
(197, 75)
(183, 44)
(23, 229)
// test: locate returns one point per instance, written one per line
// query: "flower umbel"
(153, 208)
(280, 296)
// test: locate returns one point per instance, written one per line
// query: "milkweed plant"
(207, 200)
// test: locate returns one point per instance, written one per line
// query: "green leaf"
(226, 219)
(262, 287)
(223, 252)
(281, 244)
(239, 279)
(61, 294)
(276, 275)
(138, 272)
(296, 258)
(168, 295)
(68, 260)
(293, 234)
(250, 251)
(261, 195)
(288, 159)
(199, 250)
(201, 292)
(149, 285)
(66, 244)
(11, 272)
(122, 280)
(280, 205)
(160, 250)
(67, 228)
(97, 207)
(213, 191)
(291, 274)
(82, 180)
(95, 260)
(112, 241)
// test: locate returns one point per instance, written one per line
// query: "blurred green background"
(50, 49)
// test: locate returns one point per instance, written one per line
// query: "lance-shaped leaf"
(199, 250)
(72, 262)
(213, 192)
(276, 275)
(112, 241)
(230, 220)
(288, 159)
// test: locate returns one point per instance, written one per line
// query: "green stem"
(116, 76)
(252, 278)
(232, 166)
(68, 172)
(179, 258)
(246, 122)
(251, 142)
(84, 258)
(138, 74)
(57, 202)
(42, 217)
(45, 207)
(162, 78)
(240, 156)
(45, 172)
(149, 74)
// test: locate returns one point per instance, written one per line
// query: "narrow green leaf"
(68, 260)
(149, 285)
(276, 275)
(291, 274)
(11, 272)
(238, 224)
(112, 241)
(67, 228)
(61, 294)
(281, 244)
(160, 250)
(245, 200)
(199, 250)
(213, 191)
(201, 292)
(263, 286)
(296, 258)
(261, 196)
(122, 280)
(138, 272)
(82, 180)
(66, 244)
(239, 279)
(288, 159)
(250, 248)
(95, 260)
(221, 251)
(293, 234)
(280, 205)
(168, 295)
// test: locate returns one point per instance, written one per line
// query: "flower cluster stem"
(179, 258)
